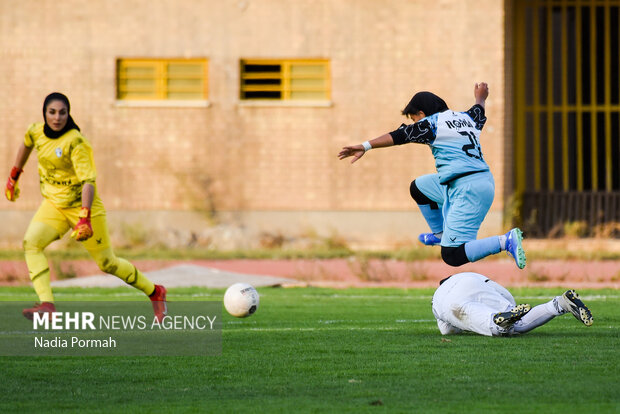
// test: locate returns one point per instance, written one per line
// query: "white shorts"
(467, 301)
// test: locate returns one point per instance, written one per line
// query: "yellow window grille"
(567, 95)
(272, 79)
(162, 79)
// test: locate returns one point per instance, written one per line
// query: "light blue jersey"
(456, 200)
(454, 138)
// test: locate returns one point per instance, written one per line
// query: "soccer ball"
(241, 300)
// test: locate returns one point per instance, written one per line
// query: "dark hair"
(427, 102)
(49, 132)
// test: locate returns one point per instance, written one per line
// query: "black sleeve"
(476, 113)
(420, 133)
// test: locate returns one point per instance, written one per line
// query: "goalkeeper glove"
(83, 229)
(12, 189)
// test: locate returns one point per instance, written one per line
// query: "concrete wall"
(253, 160)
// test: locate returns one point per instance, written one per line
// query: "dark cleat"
(506, 319)
(570, 302)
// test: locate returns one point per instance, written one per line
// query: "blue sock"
(433, 217)
(478, 249)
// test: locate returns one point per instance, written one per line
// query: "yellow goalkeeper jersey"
(65, 164)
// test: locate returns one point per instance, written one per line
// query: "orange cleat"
(41, 308)
(158, 297)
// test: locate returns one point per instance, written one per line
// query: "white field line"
(128, 294)
(584, 297)
(308, 329)
(426, 297)
(289, 329)
(46, 333)
(199, 295)
(306, 296)
(239, 323)
(333, 328)
(340, 296)
(328, 325)
(336, 321)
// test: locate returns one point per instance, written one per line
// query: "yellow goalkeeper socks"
(130, 274)
(121, 268)
(41, 284)
(38, 236)
(39, 271)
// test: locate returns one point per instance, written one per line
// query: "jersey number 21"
(473, 148)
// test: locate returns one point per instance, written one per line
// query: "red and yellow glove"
(83, 229)
(12, 189)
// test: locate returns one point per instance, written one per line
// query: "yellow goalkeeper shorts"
(65, 219)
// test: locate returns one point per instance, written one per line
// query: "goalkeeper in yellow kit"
(70, 201)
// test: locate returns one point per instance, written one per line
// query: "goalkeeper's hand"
(12, 189)
(83, 229)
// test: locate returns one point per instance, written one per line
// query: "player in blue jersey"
(456, 199)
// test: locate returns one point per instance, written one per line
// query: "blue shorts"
(465, 203)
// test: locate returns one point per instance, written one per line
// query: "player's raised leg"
(514, 246)
(99, 248)
(511, 242)
(428, 194)
(123, 269)
(468, 202)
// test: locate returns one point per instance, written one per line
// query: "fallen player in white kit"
(473, 302)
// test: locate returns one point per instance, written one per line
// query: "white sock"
(538, 316)
(558, 308)
(502, 242)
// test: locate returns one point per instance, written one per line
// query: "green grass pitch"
(328, 350)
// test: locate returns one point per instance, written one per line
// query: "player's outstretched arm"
(358, 151)
(12, 189)
(481, 93)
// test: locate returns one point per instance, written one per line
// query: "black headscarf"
(47, 130)
(427, 102)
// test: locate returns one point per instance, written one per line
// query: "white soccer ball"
(241, 300)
